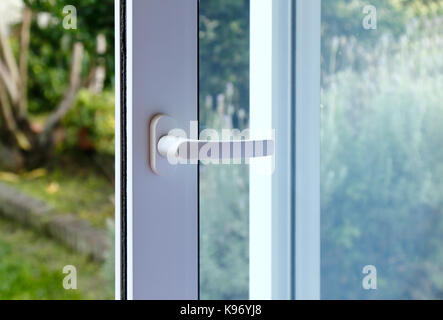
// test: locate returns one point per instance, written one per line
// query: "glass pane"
(56, 149)
(382, 150)
(224, 189)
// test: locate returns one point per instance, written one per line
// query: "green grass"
(31, 268)
(77, 187)
(31, 264)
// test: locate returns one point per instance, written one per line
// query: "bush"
(224, 232)
(90, 124)
(381, 168)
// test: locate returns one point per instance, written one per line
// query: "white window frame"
(285, 206)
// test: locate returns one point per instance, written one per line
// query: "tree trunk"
(23, 62)
(11, 159)
(70, 94)
(21, 145)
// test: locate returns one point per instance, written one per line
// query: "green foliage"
(224, 53)
(95, 113)
(48, 73)
(51, 47)
(224, 227)
(419, 7)
(93, 18)
(224, 103)
(224, 232)
(342, 26)
(381, 169)
(109, 264)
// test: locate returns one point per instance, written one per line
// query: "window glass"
(224, 189)
(382, 150)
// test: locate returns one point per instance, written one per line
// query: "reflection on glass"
(382, 149)
(56, 149)
(224, 104)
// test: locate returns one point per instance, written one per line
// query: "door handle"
(165, 146)
(188, 149)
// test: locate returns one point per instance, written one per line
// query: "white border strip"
(260, 183)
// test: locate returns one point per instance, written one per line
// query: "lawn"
(31, 268)
(75, 186)
(31, 264)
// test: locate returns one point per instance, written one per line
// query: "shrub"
(382, 161)
(90, 124)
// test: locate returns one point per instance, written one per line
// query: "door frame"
(295, 267)
(159, 232)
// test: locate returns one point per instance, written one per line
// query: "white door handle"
(187, 149)
(166, 149)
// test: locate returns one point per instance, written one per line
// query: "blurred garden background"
(381, 149)
(56, 148)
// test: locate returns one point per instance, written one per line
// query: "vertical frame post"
(260, 119)
(282, 121)
(307, 149)
(162, 211)
(271, 191)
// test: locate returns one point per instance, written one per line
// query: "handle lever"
(164, 147)
(187, 149)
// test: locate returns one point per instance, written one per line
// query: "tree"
(70, 54)
(224, 54)
(342, 22)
